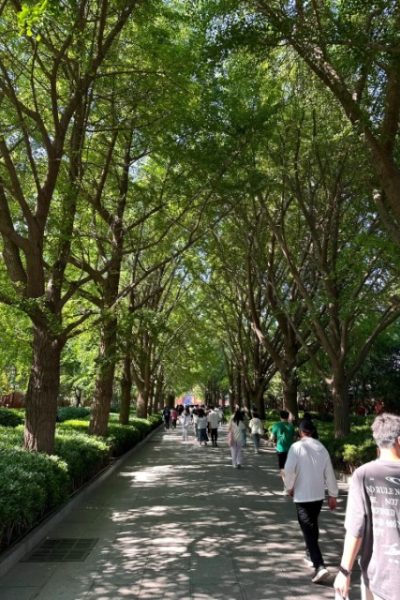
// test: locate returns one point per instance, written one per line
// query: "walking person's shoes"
(320, 574)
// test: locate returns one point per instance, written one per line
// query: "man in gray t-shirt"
(373, 518)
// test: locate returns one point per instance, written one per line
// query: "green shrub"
(11, 436)
(154, 420)
(31, 484)
(77, 424)
(10, 418)
(66, 413)
(358, 454)
(84, 454)
(122, 438)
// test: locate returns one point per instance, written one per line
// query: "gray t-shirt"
(373, 513)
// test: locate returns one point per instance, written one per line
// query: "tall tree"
(47, 83)
(353, 48)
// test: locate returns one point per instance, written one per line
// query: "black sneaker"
(320, 574)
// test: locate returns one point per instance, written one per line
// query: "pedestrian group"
(373, 509)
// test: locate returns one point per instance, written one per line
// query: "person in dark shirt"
(166, 413)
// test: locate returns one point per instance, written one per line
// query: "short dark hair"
(306, 426)
(284, 414)
(386, 430)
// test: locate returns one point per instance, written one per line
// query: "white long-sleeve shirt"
(308, 470)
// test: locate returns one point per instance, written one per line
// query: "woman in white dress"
(236, 432)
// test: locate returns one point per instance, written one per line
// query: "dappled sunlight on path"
(176, 521)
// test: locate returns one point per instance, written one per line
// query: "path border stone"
(9, 558)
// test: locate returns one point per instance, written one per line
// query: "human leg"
(239, 458)
(214, 436)
(234, 448)
(256, 440)
(307, 515)
(282, 456)
(236, 453)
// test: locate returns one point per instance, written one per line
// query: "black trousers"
(214, 436)
(307, 515)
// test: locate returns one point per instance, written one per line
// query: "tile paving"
(177, 522)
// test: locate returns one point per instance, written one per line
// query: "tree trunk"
(142, 404)
(248, 395)
(42, 394)
(158, 394)
(289, 383)
(126, 386)
(105, 378)
(237, 398)
(171, 400)
(260, 404)
(340, 398)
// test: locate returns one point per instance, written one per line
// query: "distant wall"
(13, 400)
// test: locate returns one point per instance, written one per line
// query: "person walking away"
(202, 427)
(213, 419)
(195, 420)
(308, 470)
(257, 431)
(185, 420)
(283, 434)
(166, 413)
(373, 518)
(236, 431)
(174, 418)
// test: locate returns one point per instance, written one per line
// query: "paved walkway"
(177, 522)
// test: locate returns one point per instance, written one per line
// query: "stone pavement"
(177, 522)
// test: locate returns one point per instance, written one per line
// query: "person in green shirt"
(283, 434)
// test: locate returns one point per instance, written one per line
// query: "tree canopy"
(198, 194)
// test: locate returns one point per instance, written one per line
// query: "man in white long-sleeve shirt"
(308, 470)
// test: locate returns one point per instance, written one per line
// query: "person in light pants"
(185, 420)
(236, 438)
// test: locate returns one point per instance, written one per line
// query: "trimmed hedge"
(32, 484)
(84, 454)
(123, 437)
(67, 413)
(10, 418)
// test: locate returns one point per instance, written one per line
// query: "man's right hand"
(342, 585)
(332, 502)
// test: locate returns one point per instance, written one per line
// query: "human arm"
(290, 471)
(351, 549)
(331, 483)
(355, 526)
